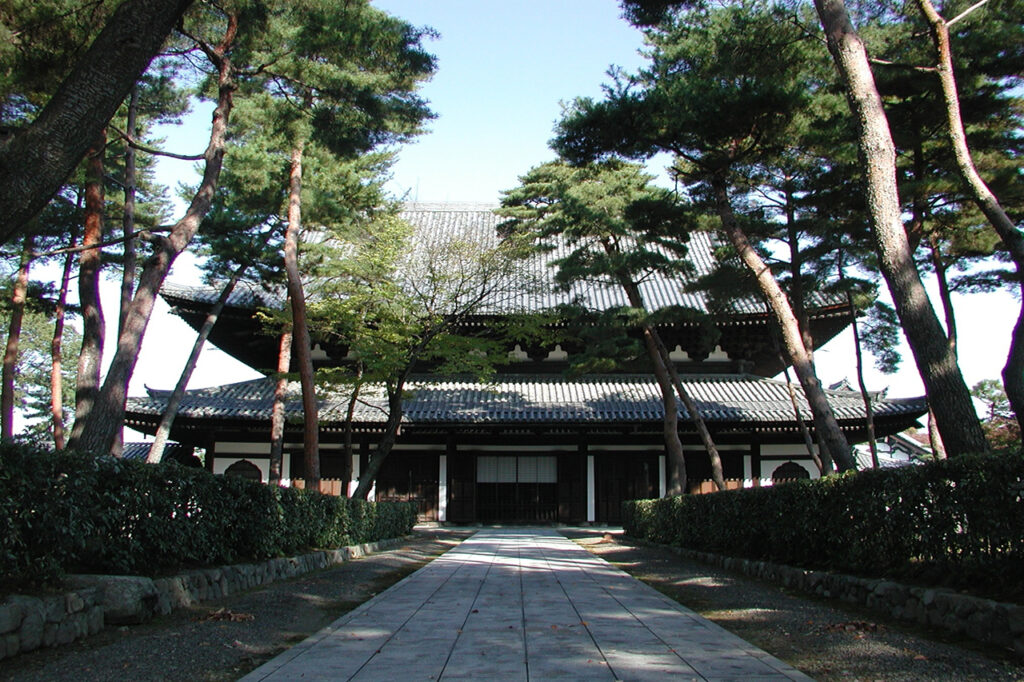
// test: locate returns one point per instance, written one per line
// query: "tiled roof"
(528, 399)
(172, 451)
(478, 222)
(244, 295)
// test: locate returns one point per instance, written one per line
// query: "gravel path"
(825, 640)
(224, 639)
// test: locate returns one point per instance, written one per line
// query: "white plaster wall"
(229, 447)
(794, 452)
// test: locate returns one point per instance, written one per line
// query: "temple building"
(533, 445)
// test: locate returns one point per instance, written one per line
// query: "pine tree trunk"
(163, 430)
(943, 380)
(824, 464)
(90, 356)
(1012, 237)
(128, 242)
(797, 297)
(934, 438)
(869, 414)
(696, 416)
(284, 361)
(822, 460)
(676, 484)
(300, 329)
(945, 295)
(825, 424)
(128, 218)
(54, 144)
(664, 372)
(107, 416)
(18, 299)
(56, 354)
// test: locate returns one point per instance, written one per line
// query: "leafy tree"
(619, 230)
(399, 301)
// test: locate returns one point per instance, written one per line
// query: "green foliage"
(957, 522)
(881, 335)
(77, 512)
(609, 227)
(394, 301)
(39, 41)
(1000, 424)
(32, 388)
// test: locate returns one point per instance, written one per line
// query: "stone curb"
(984, 620)
(28, 622)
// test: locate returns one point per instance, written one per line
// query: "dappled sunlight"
(744, 615)
(705, 581)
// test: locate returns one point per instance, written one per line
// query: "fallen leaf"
(228, 615)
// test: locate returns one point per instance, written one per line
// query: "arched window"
(245, 469)
(790, 471)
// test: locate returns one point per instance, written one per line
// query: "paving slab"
(522, 604)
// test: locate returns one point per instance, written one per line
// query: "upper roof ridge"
(450, 206)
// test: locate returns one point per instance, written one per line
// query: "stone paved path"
(522, 604)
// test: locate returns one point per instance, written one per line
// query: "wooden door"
(411, 477)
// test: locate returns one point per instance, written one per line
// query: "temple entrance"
(410, 478)
(516, 489)
(620, 478)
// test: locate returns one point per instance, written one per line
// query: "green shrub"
(958, 522)
(74, 512)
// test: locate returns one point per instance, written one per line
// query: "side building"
(534, 445)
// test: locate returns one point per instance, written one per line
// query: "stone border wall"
(991, 622)
(30, 622)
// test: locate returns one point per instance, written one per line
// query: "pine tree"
(721, 93)
(619, 230)
(93, 84)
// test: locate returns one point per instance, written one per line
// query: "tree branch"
(900, 65)
(148, 235)
(967, 11)
(153, 150)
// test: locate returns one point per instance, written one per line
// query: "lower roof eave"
(202, 430)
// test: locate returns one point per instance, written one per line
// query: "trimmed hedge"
(72, 512)
(957, 522)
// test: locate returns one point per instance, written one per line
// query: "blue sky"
(504, 70)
